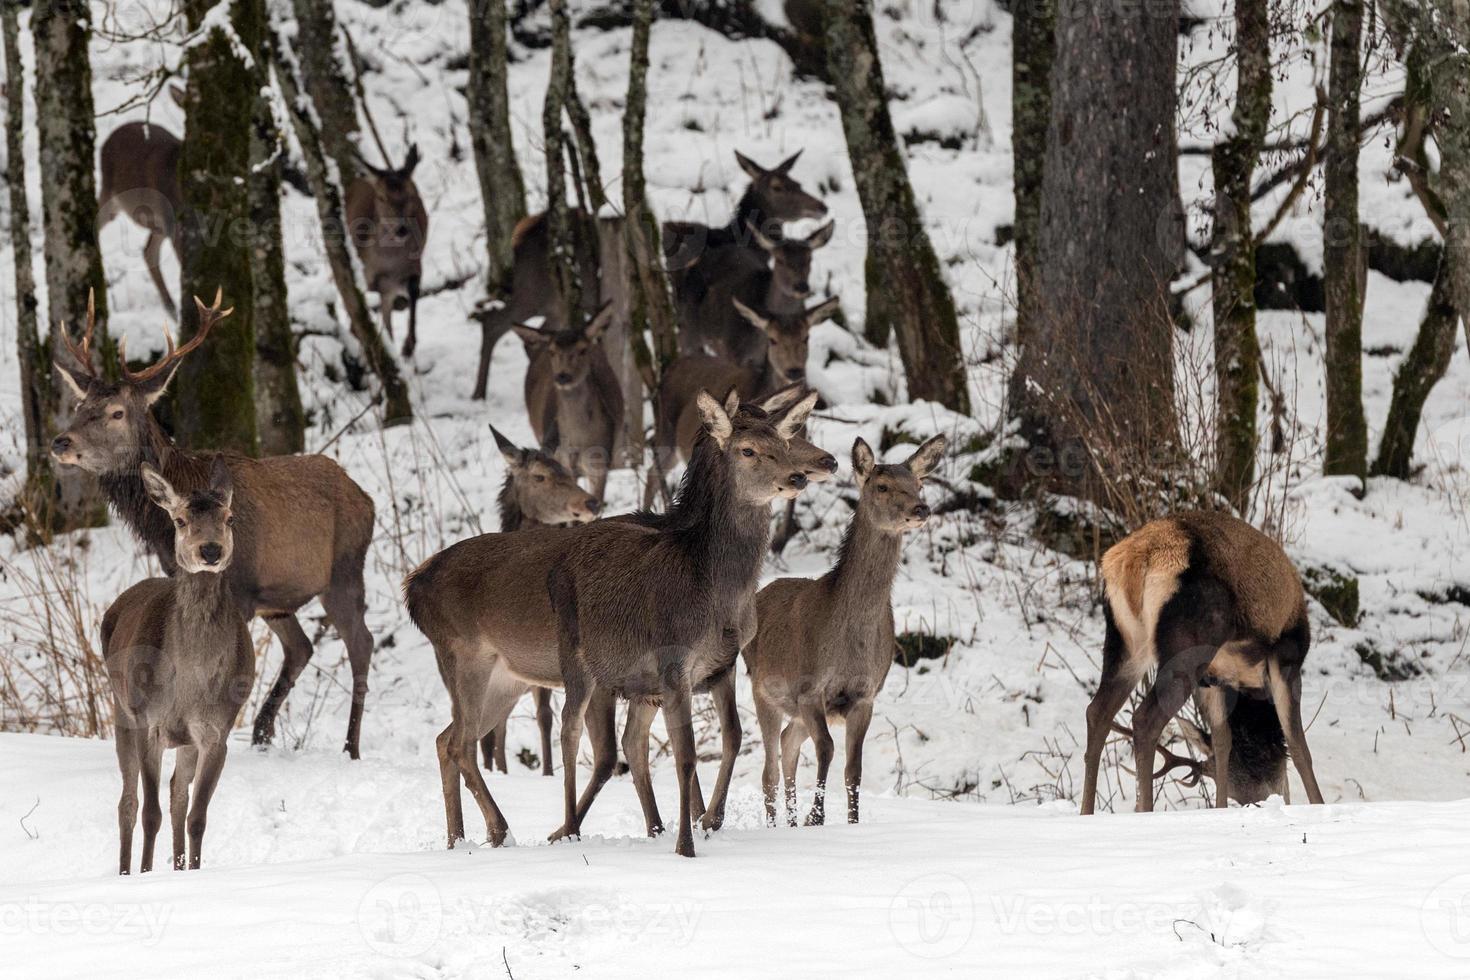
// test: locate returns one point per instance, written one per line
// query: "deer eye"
(118, 414)
(882, 488)
(748, 452)
(230, 521)
(178, 522)
(540, 478)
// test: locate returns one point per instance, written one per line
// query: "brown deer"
(1257, 752)
(537, 492)
(180, 664)
(389, 226)
(1218, 609)
(140, 178)
(823, 647)
(573, 397)
(483, 605)
(302, 525)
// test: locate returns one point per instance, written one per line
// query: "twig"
(37, 835)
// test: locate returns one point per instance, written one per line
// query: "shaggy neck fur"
(723, 537)
(868, 562)
(202, 605)
(512, 518)
(749, 213)
(125, 491)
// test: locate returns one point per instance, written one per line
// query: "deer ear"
(784, 167)
(220, 480)
(752, 169)
(821, 236)
(411, 162)
(159, 490)
(512, 454)
(732, 401)
(530, 336)
(780, 401)
(823, 311)
(766, 242)
(177, 93)
(792, 422)
(926, 457)
(716, 420)
(73, 382)
(863, 461)
(153, 389)
(756, 320)
(599, 323)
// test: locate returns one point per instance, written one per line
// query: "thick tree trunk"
(1422, 368)
(1033, 45)
(279, 419)
(329, 209)
(906, 292)
(323, 64)
(1097, 370)
(502, 190)
(1344, 262)
(67, 135)
(216, 384)
(563, 256)
(1233, 256)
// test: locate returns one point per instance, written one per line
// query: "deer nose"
(828, 463)
(797, 480)
(796, 373)
(804, 288)
(922, 511)
(563, 378)
(594, 506)
(60, 444)
(211, 553)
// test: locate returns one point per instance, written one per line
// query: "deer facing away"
(823, 647)
(180, 663)
(302, 526)
(1218, 608)
(389, 226)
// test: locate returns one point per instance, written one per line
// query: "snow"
(971, 856)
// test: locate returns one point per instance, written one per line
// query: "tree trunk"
(37, 394)
(324, 77)
(1033, 46)
(906, 292)
(279, 419)
(329, 209)
(1097, 374)
(1344, 264)
(61, 30)
(216, 385)
(563, 253)
(502, 190)
(1233, 257)
(1422, 368)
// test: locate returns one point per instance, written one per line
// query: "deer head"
(112, 423)
(791, 259)
(571, 349)
(543, 489)
(396, 197)
(204, 539)
(757, 446)
(780, 197)
(790, 335)
(892, 495)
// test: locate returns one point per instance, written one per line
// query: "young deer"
(537, 492)
(180, 663)
(1218, 608)
(573, 397)
(389, 226)
(823, 647)
(302, 526)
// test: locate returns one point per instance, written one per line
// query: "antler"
(1172, 761)
(208, 317)
(82, 353)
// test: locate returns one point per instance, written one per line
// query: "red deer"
(389, 226)
(302, 526)
(823, 647)
(573, 397)
(1218, 609)
(140, 178)
(484, 606)
(1257, 752)
(180, 663)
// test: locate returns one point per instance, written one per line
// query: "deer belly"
(1237, 665)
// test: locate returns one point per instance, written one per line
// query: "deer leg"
(346, 607)
(211, 764)
(186, 759)
(297, 651)
(487, 701)
(411, 341)
(449, 782)
(1112, 691)
(814, 720)
(723, 691)
(1212, 701)
(679, 719)
(858, 719)
(127, 745)
(768, 716)
(791, 740)
(544, 720)
(1286, 692)
(635, 750)
(152, 252)
(151, 763)
(494, 324)
(602, 731)
(579, 691)
(492, 745)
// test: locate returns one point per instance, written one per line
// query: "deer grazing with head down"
(573, 397)
(302, 526)
(180, 663)
(1218, 609)
(389, 226)
(823, 647)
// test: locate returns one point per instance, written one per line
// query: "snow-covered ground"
(318, 866)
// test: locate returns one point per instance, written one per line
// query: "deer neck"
(512, 518)
(202, 605)
(867, 564)
(751, 212)
(779, 302)
(724, 537)
(125, 491)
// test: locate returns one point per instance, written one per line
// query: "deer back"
(141, 161)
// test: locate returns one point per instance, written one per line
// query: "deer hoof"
(685, 847)
(712, 821)
(816, 818)
(565, 833)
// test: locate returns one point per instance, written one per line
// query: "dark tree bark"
(329, 209)
(1422, 368)
(215, 390)
(564, 272)
(1097, 369)
(1032, 50)
(279, 419)
(906, 292)
(1344, 261)
(323, 69)
(64, 118)
(1233, 257)
(501, 188)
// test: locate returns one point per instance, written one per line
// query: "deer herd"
(649, 609)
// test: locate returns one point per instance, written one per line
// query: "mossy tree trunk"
(1422, 368)
(502, 190)
(1033, 46)
(1344, 260)
(323, 62)
(67, 133)
(1097, 379)
(1233, 257)
(216, 384)
(906, 291)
